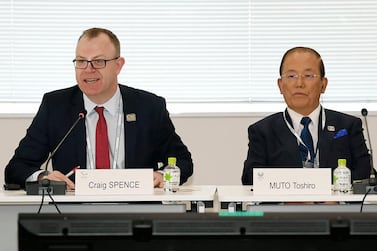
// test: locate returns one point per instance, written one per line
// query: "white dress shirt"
(313, 127)
(113, 109)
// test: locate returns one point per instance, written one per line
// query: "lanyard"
(298, 137)
(119, 128)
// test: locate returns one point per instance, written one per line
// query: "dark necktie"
(102, 141)
(308, 141)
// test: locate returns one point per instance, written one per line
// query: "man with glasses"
(305, 134)
(123, 127)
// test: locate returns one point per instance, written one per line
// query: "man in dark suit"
(275, 140)
(140, 131)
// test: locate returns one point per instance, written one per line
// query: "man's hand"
(58, 176)
(158, 179)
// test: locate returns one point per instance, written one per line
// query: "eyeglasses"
(95, 63)
(293, 77)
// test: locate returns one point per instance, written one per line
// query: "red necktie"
(102, 141)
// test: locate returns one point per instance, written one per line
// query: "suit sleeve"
(171, 145)
(32, 150)
(360, 162)
(256, 155)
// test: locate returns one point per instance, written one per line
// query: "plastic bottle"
(342, 177)
(172, 176)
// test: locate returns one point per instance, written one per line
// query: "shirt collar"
(111, 105)
(296, 117)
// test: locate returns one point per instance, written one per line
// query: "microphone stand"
(372, 178)
(46, 186)
(367, 185)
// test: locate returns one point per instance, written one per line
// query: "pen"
(72, 171)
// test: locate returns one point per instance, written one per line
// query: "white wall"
(218, 144)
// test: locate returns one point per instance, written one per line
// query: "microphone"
(372, 177)
(51, 186)
(368, 185)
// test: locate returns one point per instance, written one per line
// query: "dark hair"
(95, 32)
(304, 49)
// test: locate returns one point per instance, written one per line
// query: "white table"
(236, 198)
(204, 195)
(188, 198)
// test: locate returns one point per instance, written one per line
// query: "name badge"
(292, 181)
(114, 181)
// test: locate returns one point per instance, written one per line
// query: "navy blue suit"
(148, 140)
(272, 144)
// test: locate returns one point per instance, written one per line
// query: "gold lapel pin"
(131, 117)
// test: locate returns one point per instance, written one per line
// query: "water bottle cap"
(172, 160)
(342, 162)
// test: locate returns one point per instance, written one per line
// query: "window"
(214, 51)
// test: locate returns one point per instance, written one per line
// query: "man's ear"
(323, 85)
(280, 85)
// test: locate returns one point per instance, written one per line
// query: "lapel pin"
(331, 128)
(131, 117)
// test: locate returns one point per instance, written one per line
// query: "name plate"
(114, 181)
(292, 181)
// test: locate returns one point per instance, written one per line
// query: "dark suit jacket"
(272, 144)
(148, 140)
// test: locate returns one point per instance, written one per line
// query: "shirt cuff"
(34, 176)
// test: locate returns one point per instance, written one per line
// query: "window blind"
(191, 50)
(343, 32)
